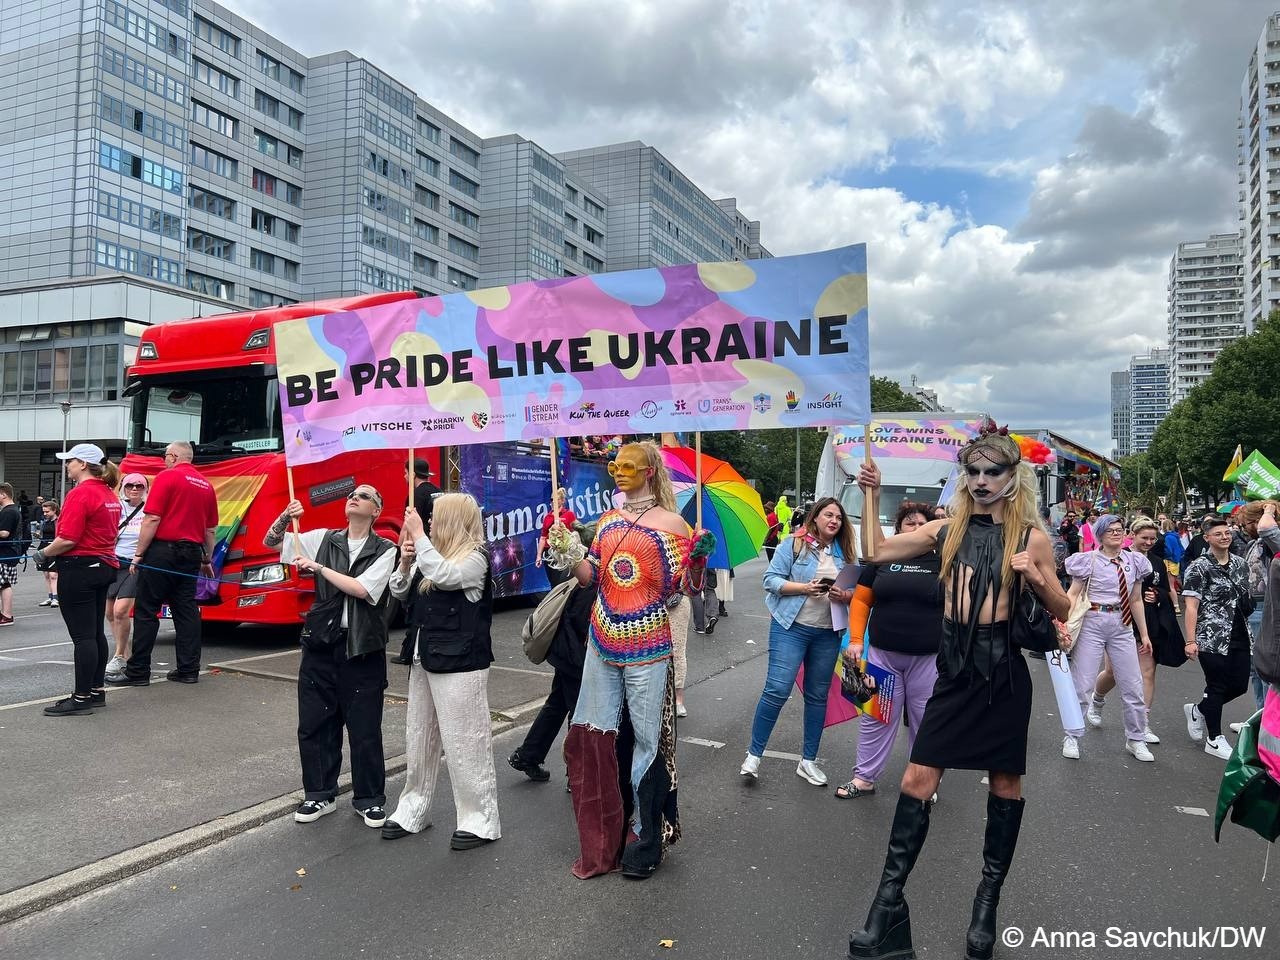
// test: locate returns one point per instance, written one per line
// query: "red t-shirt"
(185, 503)
(566, 517)
(91, 518)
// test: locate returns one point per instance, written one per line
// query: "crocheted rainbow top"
(637, 569)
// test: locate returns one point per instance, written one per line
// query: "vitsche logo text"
(826, 403)
(542, 413)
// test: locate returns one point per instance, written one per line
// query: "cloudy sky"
(1021, 171)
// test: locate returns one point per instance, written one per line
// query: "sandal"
(851, 791)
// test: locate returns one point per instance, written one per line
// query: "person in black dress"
(978, 714)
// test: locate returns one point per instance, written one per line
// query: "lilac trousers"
(916, 677)
(1106, 633)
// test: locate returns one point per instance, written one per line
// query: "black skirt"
(971, 723)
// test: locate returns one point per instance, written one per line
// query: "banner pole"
(868, 547)
(413, 475)
(555, 474)
(697, 487)
(297, 534)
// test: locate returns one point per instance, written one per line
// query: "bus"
(212, 381)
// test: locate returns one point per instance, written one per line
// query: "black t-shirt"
(424, 495)
(907, 615)
(11, 547)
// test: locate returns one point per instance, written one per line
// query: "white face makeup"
(987, 480)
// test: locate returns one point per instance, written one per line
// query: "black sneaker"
(462, 840)
(393, 831)
(311, 810)
(124, 680)
(534, 771)
(5, 621)
(179, 677)
(70, 707)
(711, 624)
(98, 698)
(374, 816)
(403, 661)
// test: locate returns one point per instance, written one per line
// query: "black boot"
(887, 932)
(1004, 820)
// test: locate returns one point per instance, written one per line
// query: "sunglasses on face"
(622, 468)
(361, 495)
(135, 486)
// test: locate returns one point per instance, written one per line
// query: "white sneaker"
(1237, 727)
(1195, 722)
(46, 602)
(312, 810)
(681, 711)
(1138, 750)
(1094, 714)
(809, 770)
(750, 767)
(1148, 736)
(1218, 747)
(116, 666)
(1070, 747)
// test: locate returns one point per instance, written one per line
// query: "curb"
(54, 890)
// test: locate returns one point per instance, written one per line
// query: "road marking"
(261, 656)
(777, 755)
(536, 673)
(699, 742)
(1193, 811)
(38, 646)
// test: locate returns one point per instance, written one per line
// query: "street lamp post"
(66, 412)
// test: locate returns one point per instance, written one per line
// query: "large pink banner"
(724, 346)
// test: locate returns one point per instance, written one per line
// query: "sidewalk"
(160, 760)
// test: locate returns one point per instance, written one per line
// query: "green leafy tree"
(888, 396)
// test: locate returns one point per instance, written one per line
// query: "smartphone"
(826, 583)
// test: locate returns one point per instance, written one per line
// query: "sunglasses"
(362, 495)
(623, 469)
(135, 486)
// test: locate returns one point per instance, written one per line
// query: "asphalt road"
(773, 869)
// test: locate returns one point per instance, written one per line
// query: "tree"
(888, 396)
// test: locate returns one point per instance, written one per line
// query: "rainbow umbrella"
(731, 508)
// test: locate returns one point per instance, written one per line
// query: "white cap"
(88, 452)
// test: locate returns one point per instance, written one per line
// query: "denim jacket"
(787, 567)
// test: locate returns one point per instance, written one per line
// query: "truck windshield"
(891, 497)
(222, 413)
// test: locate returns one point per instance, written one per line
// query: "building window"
(216, 120)
(464, 153)
(388, 131)
(548, 263)
(262, 298)
(425, 198)
(139, 215)
(460, 247)
(226, 42)
(213, 161)
(386, 167)
(384, 279)
(428, 165)
(139, 168)
(593, 208)
(388, 206)
(210, 245)
(148, 31)
(463, 185)
(546, 166)
(266, 143)
(388, 93)
(275, 226)
(592, 235)
(211, 286)
(547, 199)
(140, 75)
(544, 228)
(124, 259)
(273, 264)
(593, 264)
(459, 279)
(150, 126)
(212, 203)
(463, 216)
(426, 231)
(388, 244)
(425, 265)
(428, 130)
(272, 186)
(210, 75)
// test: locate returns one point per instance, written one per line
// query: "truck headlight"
(262, 576)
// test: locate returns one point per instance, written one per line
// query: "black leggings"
(1226, 676)
(82, 601)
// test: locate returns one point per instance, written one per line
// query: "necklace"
(639, 504)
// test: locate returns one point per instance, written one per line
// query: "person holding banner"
(978, 715)
(343, 670)
(905, 634)
(565, 516)
(449, 681)
(638, 558)
(799, 591)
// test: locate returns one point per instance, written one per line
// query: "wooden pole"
(868, 546)
(697, 488)
(297, 533)
(555, 475)
(413, 475)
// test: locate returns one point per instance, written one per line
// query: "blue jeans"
(605, 688)
(790, 648)
(1255, 631)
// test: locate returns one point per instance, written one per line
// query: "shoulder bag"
(1030, 625)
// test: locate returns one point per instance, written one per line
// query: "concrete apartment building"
(167, 158)
(1204, 308)
(1258, 142)
(1148, 397)
(1120, 412)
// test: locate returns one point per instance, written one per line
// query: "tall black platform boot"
(1004, 821)
(887, 932)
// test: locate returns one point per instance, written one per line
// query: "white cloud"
(1116, 120)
